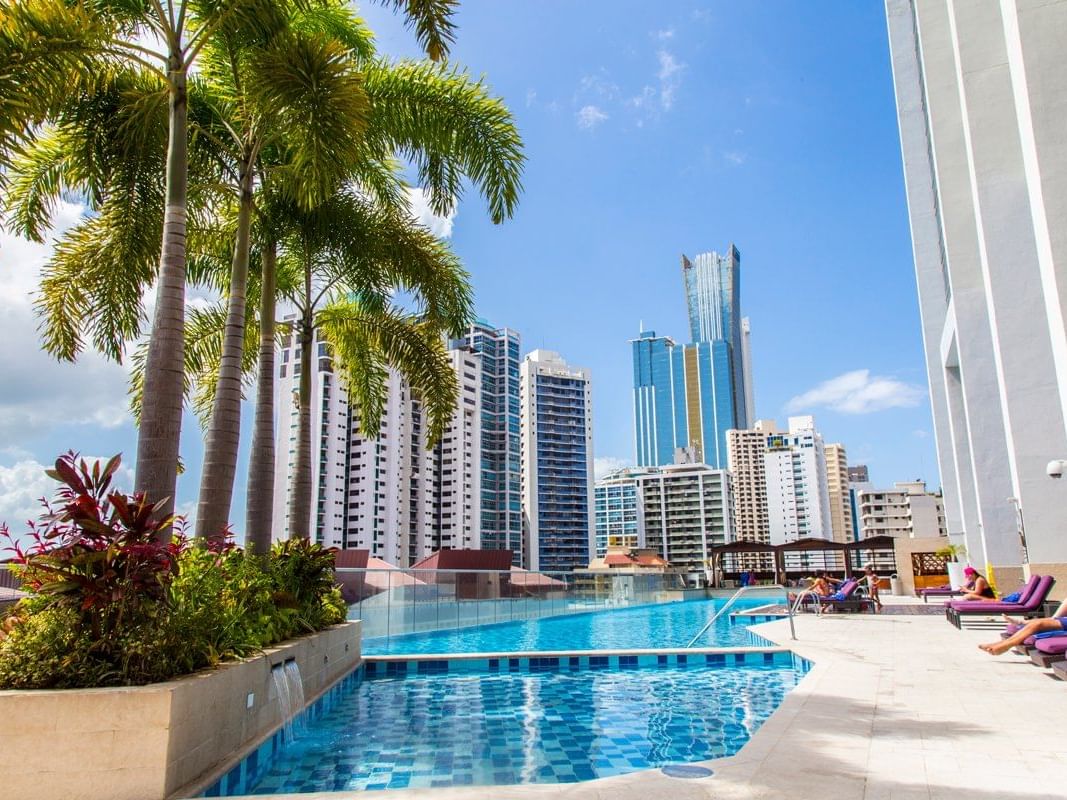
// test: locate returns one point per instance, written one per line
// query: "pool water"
(554, 726)
(664, 625)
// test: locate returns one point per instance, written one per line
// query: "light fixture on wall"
(1056, 467)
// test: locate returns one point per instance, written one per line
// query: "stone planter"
(146, 742)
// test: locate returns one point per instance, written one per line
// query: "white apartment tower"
(388, 494)
(838, 491)
(556, 456)
(680, 510)
(981, 94)
(798, 500)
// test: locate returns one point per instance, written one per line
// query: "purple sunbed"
(1031, 598)
(843, 598)
(1049, 649)
(939, 591)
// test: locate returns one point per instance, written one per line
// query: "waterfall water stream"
(289, 688)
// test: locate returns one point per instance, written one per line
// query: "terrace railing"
(394, 602)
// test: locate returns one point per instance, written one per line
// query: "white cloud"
(39, 392)
(441, 227)
(598, 86)
(669, 75)
(858, 392)
(606, 464)
(664, 35)
(590, 116)
(735, 157)
(531, 97)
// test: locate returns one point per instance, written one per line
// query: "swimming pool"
(651, 626)
(556, 722)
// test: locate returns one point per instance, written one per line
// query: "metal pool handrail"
(730, 602)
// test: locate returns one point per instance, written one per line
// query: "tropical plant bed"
(147, 742)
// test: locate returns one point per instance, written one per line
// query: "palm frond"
(364, 343)
(449, 126)
(432, 22)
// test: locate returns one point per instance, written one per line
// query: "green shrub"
(209, 605)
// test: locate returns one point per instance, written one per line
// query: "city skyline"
(572, 270)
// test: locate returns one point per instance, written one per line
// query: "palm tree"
(450, 127)
(49, 46)
(294, 109)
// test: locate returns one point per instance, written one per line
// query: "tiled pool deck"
(894, 708)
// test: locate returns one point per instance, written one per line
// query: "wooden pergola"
(873, 545)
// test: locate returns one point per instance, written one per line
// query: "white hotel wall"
(981, 99)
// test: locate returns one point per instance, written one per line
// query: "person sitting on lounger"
(1057, 622)
(818, 586)
(977, 587)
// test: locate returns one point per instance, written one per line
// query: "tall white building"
(679, 510)
(556, 455)
(388, 494)
(981, 95)
(798, 500)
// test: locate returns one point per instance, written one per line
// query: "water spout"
(289, 689)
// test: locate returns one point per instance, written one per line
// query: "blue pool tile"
(740, 658)
(681, 660)
(715, 659)
(661, 660)
(627, 662)
(513, 665)
(372, 667)
(494, 664)
(598, 662)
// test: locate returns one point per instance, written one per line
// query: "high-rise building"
(679, 510)
(906, 511)
(556, 456)
(857, 473)
(688, 396)
(980, 100)
(501, 476)
(388, 494)
(619, 513)
(837, 487)
(798, 500)
(713, 297)
(747, 463)
(746, 369)
(682, 399)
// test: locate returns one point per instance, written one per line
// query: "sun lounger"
(845, 599)
(1031, 598)
(1049, 649)
(1059, 669)
(938, 592)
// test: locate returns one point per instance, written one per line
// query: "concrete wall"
(146, 742)
(904, 547)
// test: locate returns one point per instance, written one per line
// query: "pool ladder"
(730, 602)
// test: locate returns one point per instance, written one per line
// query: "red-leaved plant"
(100, 552)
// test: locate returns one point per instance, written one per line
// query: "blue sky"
(652, 130)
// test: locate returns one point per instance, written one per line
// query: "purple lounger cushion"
(1029, 599)
(1054, 645)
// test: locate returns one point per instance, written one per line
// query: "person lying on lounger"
(977, 587)
(1057, 622)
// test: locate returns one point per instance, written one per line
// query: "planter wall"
(145, 742)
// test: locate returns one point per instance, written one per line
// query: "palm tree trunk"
(259, 508)
(300, 510)
(161, 411)
(224, 431)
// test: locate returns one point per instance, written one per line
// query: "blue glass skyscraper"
(501, 487)
(688, 396)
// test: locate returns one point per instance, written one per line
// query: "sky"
(651, 130)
